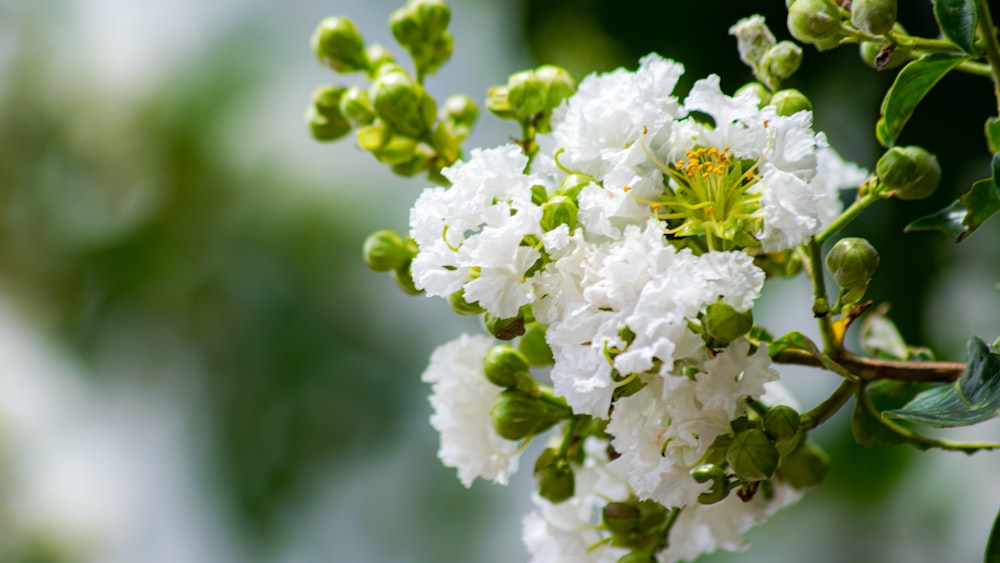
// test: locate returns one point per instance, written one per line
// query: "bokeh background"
(196, 366)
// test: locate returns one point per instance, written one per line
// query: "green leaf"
(975, 397)
(993, 133)
(880, 338)
(911, 85)
(957, 19)
(794, 339)
(964, 216)
(993, 547)
(868, 431)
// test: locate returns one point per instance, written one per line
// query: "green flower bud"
(517, 415)
(753, 39)
(463, 307)
(326, 122)
(852, 261)
(460, 110)
(356, 106)
(883, 57)
(386, 250)
(398, 150)
(911, 172)
(813, 21)
(526, 94)
(782, 425)
(405, 27)
(759, 90)
(621, 518)
(806, 466)
(337, 44)
(502, 364)
(420, 160)
(404, 279)
(559, 84)
(720, 481)
(374, 136)
(652, 515)
(534, 347)
(504, 329)
(402, 103)
(560, 210)
(752, 456)
(873, 16)
(724, 323)
(432, 15)
(573, 184)
(497, 102)
(637, 557)
(554, 477)
(790, 102)
(378, 56)
(780, 62)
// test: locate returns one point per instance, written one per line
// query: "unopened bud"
(752, 455)
(458, 304)
(911, 172)
(397, 150)
(357, 107)
(806, 466)
(554, 477)
(517, 415)
(852, 261)
(386, 250)
(873, 16)
(780, 62)
(526, 94)
(758, 89)
(724, 323)
(717, 476)
(638, 557)
(404, 279)
(620, 518)
(325, 120)
(782, 425)
(460, 110)
(378, 56)
(790, 102)
(504, 329)
(753, 39)
(502, 364)
(337, 44)
(559, 210)
(813, 21)
(534, 346)
(402, 103)
(375, 136)
(883, 57)
(559, 84)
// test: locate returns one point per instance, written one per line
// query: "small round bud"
(554, 477)
(883, 57)
(753, 39)
(873, 16)
(375, 136)
(337, 44)
(526, 94)
(560, 210)
(402, 103)
(458, 304)
(497, 102)
(758, 89)
(724, 323)
(404, 279)
(573, 184)
(782, 425)
(651, 516)
(559, 84)
(386, 250)
(517, 415)
(377, 57)
(460, 110)
(325, 120)
(911, 172)
(398, 150)
(620, 518)
(806, 466)
(504, 329)
(813, 21)
(357, 107)
(432, 15)
(502, 364)
(790, 102)
(852, 261)
(420, 160)
(780, 62)
(534, 346)
(752, 456)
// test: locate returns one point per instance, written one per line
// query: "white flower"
(462, 398)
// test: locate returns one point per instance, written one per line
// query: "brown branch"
(871, 369)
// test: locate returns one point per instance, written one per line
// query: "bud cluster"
(530, 96)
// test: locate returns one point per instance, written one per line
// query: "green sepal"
(957, 20)
(911, 85)
(974, 398)
(752, 456)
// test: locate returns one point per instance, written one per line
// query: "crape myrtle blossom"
(668, 206)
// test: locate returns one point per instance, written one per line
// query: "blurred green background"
(197, 366)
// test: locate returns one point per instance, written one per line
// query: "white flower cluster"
(638, 213)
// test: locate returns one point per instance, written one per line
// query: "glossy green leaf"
(993, 547)
(975, 397)
(993, 133)
(911, 85)
(964, 216)
(957, 19)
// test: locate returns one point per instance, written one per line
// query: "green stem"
(569, 436)
(823, 411)
(985, 23)
(849, 214)
(907, 41)
(977, 69)
(821, 306)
